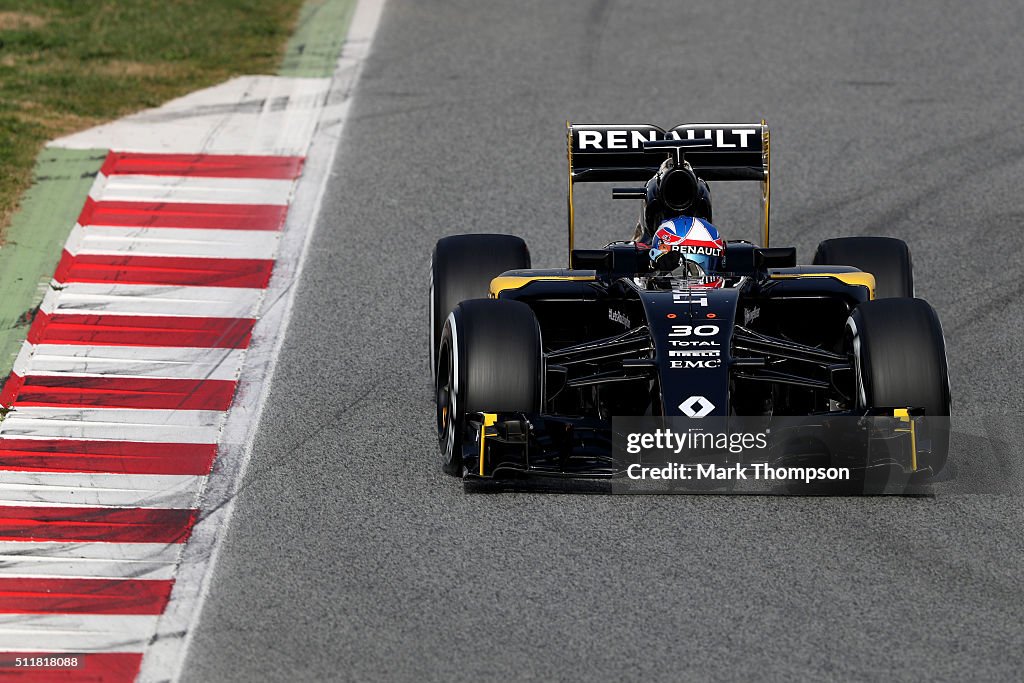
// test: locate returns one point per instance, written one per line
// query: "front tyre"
(462, 267)
(887, 258)
(490, 360)
(900, 361)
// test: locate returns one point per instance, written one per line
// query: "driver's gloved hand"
(666, 261)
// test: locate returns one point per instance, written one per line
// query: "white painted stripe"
(78, 489)
(128, 361)
(76, 632)
(89, 560)
(165, 300)
(180, 242)
(192, 189)
(166, 655)
(247, 115)
(128, 424)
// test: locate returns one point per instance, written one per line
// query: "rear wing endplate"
(615, 153)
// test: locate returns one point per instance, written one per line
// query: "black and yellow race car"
(532, 367)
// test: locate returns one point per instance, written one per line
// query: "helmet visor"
(707, 265)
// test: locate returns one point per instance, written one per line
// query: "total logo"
(696, 406)
(699, 342)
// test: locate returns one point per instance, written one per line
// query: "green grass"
(66, 65)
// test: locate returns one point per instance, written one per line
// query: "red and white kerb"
(118, 397)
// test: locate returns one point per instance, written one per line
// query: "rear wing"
(615, 153)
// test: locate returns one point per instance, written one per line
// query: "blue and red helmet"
(695, 239)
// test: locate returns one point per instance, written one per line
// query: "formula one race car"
(531, 366)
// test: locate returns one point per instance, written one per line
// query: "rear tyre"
(887, 258)
(900, 361)
(462, 267)
(489, 359)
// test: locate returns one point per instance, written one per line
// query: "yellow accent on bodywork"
(489, 420)
(572, 216)
(903, 414)
(766, 185)
(503, 282)
(859, 279)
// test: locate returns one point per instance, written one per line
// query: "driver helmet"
(695, 239)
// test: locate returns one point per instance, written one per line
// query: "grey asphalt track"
(352, 557)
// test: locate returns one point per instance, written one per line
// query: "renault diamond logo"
(696, 406)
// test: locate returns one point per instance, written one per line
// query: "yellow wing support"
(489, 420)
(572, 214)
(766, 184)
(903, 415)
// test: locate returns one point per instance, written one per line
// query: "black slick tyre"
(490, 360)
(900, 361)
(887, 258)
(462, 267)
